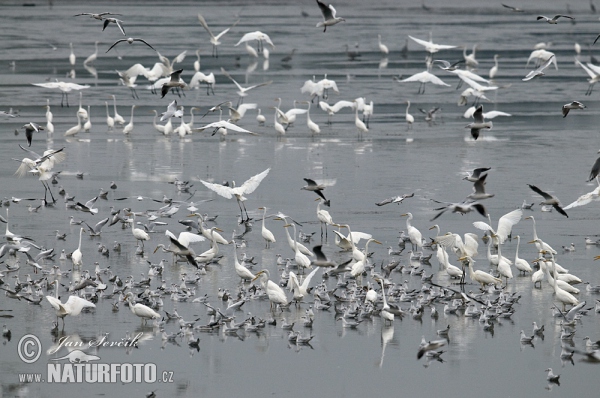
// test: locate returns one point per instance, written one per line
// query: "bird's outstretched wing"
(222, 190)
(252, 183)
(540, 192)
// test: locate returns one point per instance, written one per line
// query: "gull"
(552, 378)
(214, 40)
(430, 346)
(486, 115)
(115, 21)
(479, 123)
(571, 105)
(172, 111)
(593, 71)
(554, 20)
(322, 260)
(539, 71)
(462, 208)
(329, 17)
(549, 200)
(174, 82)
(595, 170)
(246, 188)
(395, 199)
(243, 91)
(99, 16)
(29, 129)
(476, 174)
(585, 199)
(447, 65)
(312, 185)
(64, 87)
(130, 41)
(514, 9)
(479, 189)
(526, 339)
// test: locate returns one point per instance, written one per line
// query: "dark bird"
(130, 41)
(99, 16)
(316, 188)
(329, 17)
(549, 200)
(174, 82)
(29, 129)
(479, 123)
(514, 9)
(462, 208)
(116, 21)
(595, 170)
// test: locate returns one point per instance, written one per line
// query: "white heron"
(246, 188)
(77, 256)
(275, 293)
(64, 87)
(73, 306)
(129, 127)
(140, 310)
(214, 40)
(416, 238)
(266, 234)
(301, 259)
(479, 276)
(409, 118)
(139, 234)
(110, 122)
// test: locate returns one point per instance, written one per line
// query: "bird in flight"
(29, 129)
(395, 199)
(479, 123)
(553, 20)
(130, 41)
(549, 200)
(116, 21)
(539, 71)
(99, 16)
(571, 105)
(514, 9)
(329, 17)
(175, 82)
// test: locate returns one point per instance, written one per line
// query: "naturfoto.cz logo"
(79, 367)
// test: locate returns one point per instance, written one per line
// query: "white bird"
(554, 19)
(494, 70)
(129, 127)
(64, 87)
(243, 91)
(77, 256)
(424, 77)
(73, 306)
(246, 188)
(323, 216)
(409, 118)
(87, 126)
(266, 234)
(360, 125)
(222, 124)
(240, 270)
(539, 71)
(593, 72)
(521, 264)
(430, 47)
(214, 40)
(130, 41)
(140, 310)
(110, 122)
(92, 57)
(479, 276)
(329, 17)
(75, 129)
(585, 199)
(312, 126)
(382, 47)
(416, 238)
(72, 57)
(118, 118)
(300, 290)
(274, 292)
(505, 224)
(259, 37)
(139, 234)
(559, 293)
(486, 115)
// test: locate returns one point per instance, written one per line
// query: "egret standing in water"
(73, 306)
(275, 293)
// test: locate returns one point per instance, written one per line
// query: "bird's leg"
(67, 97)
(246, 211)
(460, 83)
(52, 196)
(62, 97)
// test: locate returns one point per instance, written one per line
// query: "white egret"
(301, 259)
(75, 129)
(243, 91)
(561, 295)
(300, 290)
(240, 270)
(538, 242)
(385, 311)
(503, 265)
(77, 256)
(211, 253)
(246, 188)
(72, 57)
(214, 40)
(292, 242)
(275, 293)
(505, 224)
(88, 124)
(110, 122)
(382, 47)
(360, 125)
(118, 118)
(521, 264)
(139, 234)
(73, 306)
(324, 217)
(409, 118)
(259, 37)
(416, 238)
(64, 87)
(129, 127)
(593, 72)
(494, 70)
(266, 234)
(423, 78)
(312, 126)
(140, 310)
(479, 276)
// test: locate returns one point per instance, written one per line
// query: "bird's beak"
(432, 228)
(219, 229)
(403, 215)
(287, 225)
(596, 258)
(376, 241)
(155, 249)
(531, 241)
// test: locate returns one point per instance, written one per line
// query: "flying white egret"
(246, 188)
(214, 40)
(64, 87)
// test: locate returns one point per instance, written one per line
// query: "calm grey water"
(534, 146)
